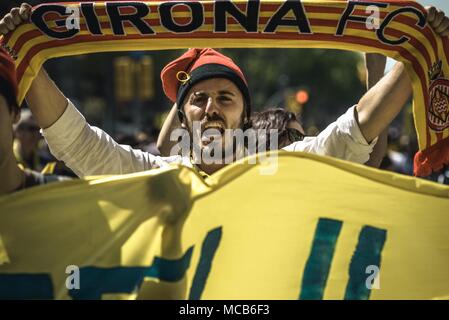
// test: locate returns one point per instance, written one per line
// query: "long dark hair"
(274, 118)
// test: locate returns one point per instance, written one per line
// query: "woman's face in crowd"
(7, 120)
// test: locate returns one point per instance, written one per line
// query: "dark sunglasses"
(294, 135)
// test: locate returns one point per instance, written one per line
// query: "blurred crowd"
(32, 152)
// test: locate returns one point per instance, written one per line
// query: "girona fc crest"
(438, 112)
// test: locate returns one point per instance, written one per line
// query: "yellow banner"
(319, 228)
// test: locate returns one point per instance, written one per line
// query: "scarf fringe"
(431, 159)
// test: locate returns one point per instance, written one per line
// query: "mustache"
(214, 117)
(210, 118)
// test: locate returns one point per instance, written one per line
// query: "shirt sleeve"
(342, 139)
(88, 150)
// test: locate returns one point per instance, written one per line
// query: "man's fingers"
(9, 23)
(431, 12)
(25, 11)
(16, 19)
(3, 29)
(438, 19)
(443, 26)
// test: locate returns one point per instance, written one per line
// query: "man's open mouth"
(212, 130)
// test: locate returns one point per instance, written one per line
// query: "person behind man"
(285, 122)
(290, 129)
(27, 143)
(210, 89)
(13, 176)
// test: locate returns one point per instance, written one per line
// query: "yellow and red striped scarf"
(154, 25)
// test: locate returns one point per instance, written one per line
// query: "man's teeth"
(216, 126)
(212, 131)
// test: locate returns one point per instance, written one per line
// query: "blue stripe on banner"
(208, 250)
(26, 286)
(368, 253)
(319, 262)
(94, 281)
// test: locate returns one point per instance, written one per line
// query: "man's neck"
(12, 175)
(211, 168)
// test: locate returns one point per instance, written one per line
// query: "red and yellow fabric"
(403, 35)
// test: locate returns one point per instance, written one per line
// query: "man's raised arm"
(382, 103)
(45, 100)
(375, 69)
(164, 143)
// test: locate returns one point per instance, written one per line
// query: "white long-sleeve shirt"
(341, 139)
(88, 150)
